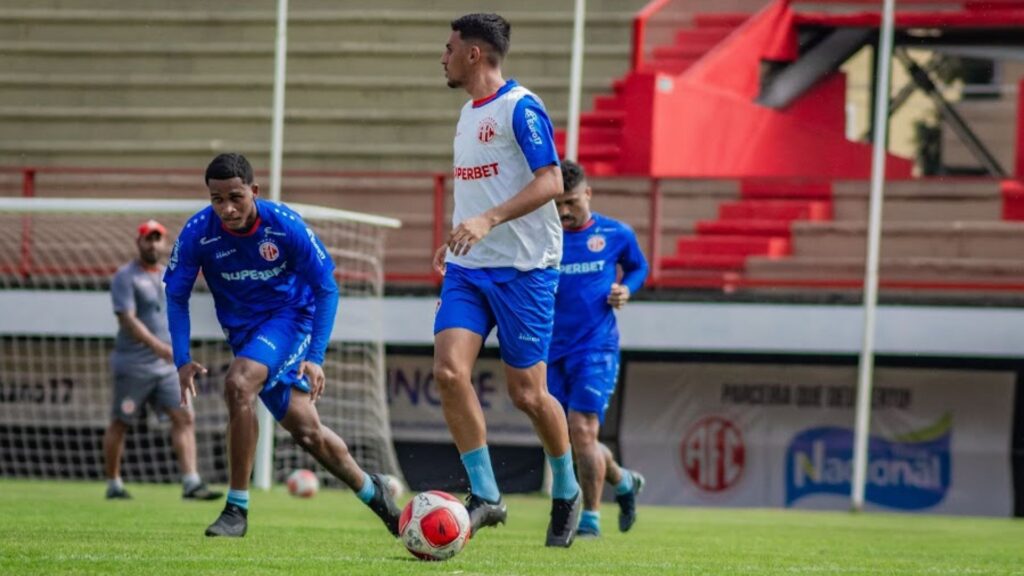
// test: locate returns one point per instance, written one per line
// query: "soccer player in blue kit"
(500, 268)
(583, 362)
(273, 285)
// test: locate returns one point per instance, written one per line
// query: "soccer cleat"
(565, 517)
(483, 513)
(383, 504)
(200, 492)
(627, 503)
(233, 522)
(114, 493)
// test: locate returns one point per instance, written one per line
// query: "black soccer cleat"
(483, 513)
(383, 504)
(200, 492)
(627, 503)
(565, 517)
(114, 493)
(232, 523)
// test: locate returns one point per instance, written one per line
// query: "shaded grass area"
(68, 528)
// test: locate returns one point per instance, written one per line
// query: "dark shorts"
(585, 382)
(132, 393)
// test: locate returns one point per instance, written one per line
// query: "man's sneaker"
(588, 532)
(233, 522)
(383, 504)
(627, 502)
(200, 492)
(565, 516)
(115, 493)
(483, 513)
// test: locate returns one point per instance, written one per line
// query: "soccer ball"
(395, 486)
(434, 525)
(303, 483)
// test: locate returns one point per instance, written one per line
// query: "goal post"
(57, 330)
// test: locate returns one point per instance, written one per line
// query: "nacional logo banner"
(414, 402)
(710, 434)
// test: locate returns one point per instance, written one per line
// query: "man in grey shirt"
(142, 366)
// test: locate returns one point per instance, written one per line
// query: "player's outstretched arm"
(545, 187)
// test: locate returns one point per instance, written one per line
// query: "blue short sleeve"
(534, 133)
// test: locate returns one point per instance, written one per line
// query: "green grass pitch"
(49, 528)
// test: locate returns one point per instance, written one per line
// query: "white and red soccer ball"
(434, 526)
(303, 483)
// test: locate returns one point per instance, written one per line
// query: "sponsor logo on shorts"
(596, 243)
(127, 406)
(269, 250)
(527, 338)
(267, 341)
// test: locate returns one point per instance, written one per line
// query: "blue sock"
(626, 484)
(368, 491)
(239, 498)
(591, 519)
(481, 475)
(563, 480)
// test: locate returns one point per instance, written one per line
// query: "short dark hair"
(572, 175)
(229, 165)
(489, 28)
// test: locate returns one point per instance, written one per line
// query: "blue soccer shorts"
(520, 303)
(280, 344)
(585, 382)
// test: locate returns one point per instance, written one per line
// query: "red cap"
(151, 226)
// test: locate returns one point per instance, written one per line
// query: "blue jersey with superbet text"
(278, 267)
(584, 321)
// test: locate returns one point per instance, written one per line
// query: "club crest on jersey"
(269, 250)
(487, 130)
(595, 243)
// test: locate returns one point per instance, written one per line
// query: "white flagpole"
(867, 353)
(264, 463)
(572, 133)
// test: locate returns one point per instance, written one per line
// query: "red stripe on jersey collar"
(249, 232)
(510, 84)
(589, 223)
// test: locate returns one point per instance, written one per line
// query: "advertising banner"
(717, 434)
(414, 402)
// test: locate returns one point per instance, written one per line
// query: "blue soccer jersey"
(278, 268)
(584, 321)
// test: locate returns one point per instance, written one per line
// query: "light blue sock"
(626, 484)
(368, 491)
(591, 519)
(481, 475)
(563, 479)
(239, 498)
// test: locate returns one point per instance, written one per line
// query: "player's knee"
(183, 418)
(581, 435)
(237, 393)
(527, 399)
(447, 375)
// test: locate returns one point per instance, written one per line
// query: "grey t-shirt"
(134, 288)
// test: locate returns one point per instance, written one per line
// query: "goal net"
(57, 330)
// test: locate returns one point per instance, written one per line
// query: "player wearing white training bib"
(498, 144)
(500, 268)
